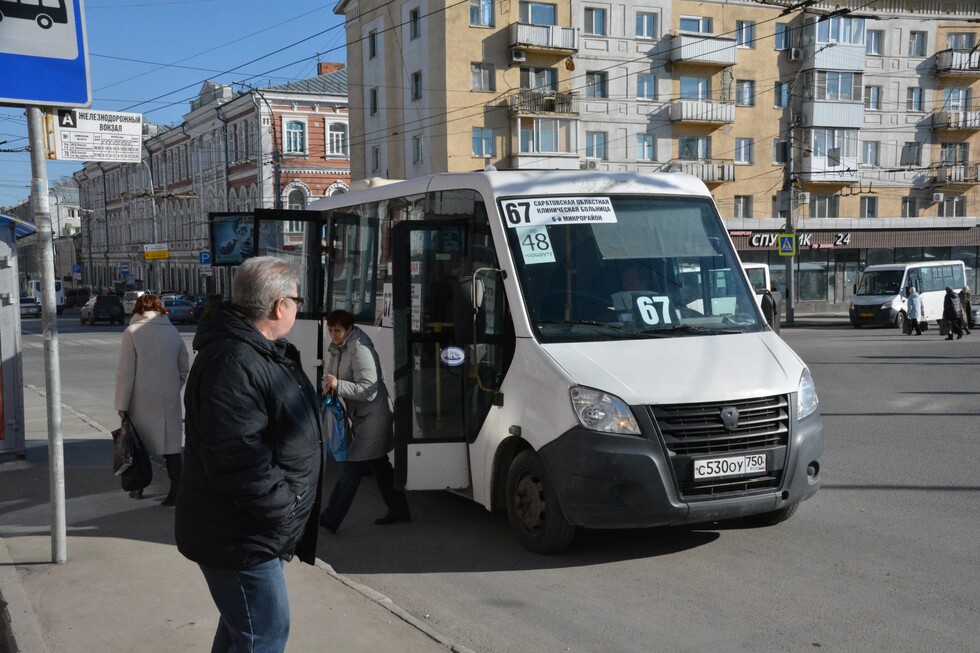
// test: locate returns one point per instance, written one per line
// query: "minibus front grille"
(695, 431)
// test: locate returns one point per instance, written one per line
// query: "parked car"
(29, 307)
(129, 300)
(102, 308)
(75, 297)
(179, 311)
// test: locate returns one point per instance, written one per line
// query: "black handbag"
(131, 461)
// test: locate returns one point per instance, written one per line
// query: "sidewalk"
(125, 588)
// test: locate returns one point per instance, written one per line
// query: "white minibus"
(880, 297)
(550, 353)
(59, 294)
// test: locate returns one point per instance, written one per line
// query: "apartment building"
(842, 119)
(276, 147)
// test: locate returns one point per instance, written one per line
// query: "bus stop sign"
(43, 54)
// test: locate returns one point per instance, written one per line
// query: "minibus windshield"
(881, 282)
(626, 267)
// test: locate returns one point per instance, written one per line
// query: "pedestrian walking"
(250, 491)
(966, 308)
(152, 368)
(952, 312)
(355, 375)
(914, 313)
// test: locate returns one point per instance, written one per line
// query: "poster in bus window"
(232, 238)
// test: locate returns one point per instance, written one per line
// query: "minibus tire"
(900, 320)
(774, 517)
(532, 506)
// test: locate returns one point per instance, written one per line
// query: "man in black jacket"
(250, 488)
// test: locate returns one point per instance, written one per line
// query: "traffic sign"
(156, 251)
(83, 135)
(124, 268)
(787, 244)
(205, 258)
(44, 54)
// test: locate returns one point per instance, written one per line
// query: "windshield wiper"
(605, 325)
(686, 329)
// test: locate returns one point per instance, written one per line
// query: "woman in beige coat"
(153, 365)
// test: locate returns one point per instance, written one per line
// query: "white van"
(551, 355)
(59, 294)
(880, 297)
(129, 301)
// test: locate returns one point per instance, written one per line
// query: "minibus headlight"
(886, 305)
(598, 411)
(806, 396)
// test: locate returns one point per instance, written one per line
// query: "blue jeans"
(254, 608)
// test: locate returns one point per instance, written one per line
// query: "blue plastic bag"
(334, 426)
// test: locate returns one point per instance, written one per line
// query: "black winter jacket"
(250, 486)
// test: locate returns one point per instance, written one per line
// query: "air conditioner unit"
(796, 54)
(589, 163)
(803, 197)
(518, 56)
(799, 120)
(937, 198)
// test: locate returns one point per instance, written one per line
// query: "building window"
(700, 24)
(645, 148)
(782, 36)
(872, 98)
(781, 95)
(743, 150)
(911, 154)
(839, 29)
(780, 151)
(373, 101)
(953, 207)
(954, 153)
(961, 40)
(913, 100)
(414, 24)
(295, 138)
(372, 43)
(957, 99)
(874, 42)
(595, 145)
(595, 84)
(693, 148)
(417, 149)
(917, 44)
(538, 13)
(539, 79)
(547, 135)
(595, 21)
(824, 206)
(646, 86)
(483, 77)
(869, 207)
(376, 158)
(483, 142)
(646, 25)
(909, 208)
(825, 139)
(744, 93)
(337, 139)
(481, 13)
(870, 152)
(417, 85)
(296, 200)
(695, 88)
(745, 33)
(743, 206)
(839, 86)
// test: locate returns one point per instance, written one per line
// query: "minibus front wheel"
(532, 506)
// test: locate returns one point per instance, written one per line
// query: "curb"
(19, 630)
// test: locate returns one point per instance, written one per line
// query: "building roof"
(334, 83)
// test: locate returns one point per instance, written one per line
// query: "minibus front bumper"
(872, 314)
(618, 481)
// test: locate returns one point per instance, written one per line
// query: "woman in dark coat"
(354, 373)
(952, 312)
(967, 309)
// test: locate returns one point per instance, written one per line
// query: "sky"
(152, 56)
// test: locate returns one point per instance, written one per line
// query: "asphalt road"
(884, 558)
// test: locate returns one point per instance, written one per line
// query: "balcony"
(709, 171)
(702, 49)
(821, 170)
(957, 176)
(702, 111)
(538, 101)
(839, 114)
(834, 56)
(947, 120)
(544, 38)
(958, 62)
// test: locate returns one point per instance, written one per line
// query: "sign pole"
(49, 315)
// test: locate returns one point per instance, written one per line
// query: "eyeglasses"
(296, 300)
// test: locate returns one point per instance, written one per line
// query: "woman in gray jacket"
(354, 373)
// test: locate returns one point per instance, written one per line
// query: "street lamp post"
(276, 163)
(153, 221)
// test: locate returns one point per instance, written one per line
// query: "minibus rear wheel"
(532, 507)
